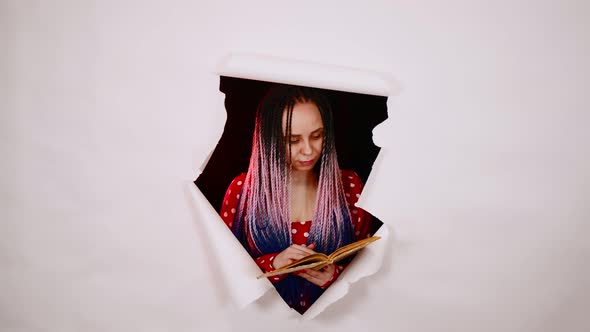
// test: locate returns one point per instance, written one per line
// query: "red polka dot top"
(300, 230)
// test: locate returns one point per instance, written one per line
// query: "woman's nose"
(306, 148)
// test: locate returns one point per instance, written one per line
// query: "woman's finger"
(296, 251)
(316, 274)
(310, 278)
(295, 255)
(302, 249)
(314, 280)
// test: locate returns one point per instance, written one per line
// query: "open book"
(319, 260)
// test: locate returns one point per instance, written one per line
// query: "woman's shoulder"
(232, 194)
(349, 176)
(240, 177)
(352, 185)
(237, 181)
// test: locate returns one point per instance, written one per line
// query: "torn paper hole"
(237, 268)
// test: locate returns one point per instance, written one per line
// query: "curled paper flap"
(305, 73)
(238, 270)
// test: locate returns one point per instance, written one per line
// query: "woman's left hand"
(320, 277)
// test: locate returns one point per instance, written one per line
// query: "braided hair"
(262, 221)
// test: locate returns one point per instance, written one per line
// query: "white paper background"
(484, 175)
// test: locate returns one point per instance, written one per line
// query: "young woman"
(294, 200)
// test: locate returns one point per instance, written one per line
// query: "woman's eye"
(294, 140)
(317, 136)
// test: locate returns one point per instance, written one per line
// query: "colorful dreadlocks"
(262, 221)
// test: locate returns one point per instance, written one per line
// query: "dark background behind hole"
(355, 117)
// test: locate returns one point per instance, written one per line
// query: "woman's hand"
(293, 253)
(296, 252)
(320, 277)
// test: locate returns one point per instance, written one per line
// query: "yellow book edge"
(319, 260)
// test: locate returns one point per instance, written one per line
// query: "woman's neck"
(303, 179)
(303, 195)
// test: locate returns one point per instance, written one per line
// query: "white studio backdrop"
(109, 109)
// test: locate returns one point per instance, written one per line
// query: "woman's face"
(307, 136)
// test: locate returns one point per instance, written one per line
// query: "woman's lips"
(306, 163)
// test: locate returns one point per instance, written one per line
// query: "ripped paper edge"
(238, 269)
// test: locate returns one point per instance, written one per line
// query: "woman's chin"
(303, 168)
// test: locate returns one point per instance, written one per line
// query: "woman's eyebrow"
(313, 132)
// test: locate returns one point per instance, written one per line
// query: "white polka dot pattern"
(301, 230)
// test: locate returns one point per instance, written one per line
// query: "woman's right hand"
(291, 254)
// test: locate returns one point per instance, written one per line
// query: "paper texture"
(238, 270)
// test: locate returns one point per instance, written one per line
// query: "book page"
(315, 265)
(352, 248)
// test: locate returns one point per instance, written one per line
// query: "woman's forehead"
(305, 119)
